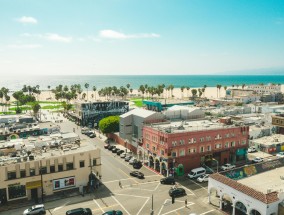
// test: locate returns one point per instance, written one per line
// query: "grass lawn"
(138, 102)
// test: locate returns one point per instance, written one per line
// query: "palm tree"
(35, 107)
(87, 87)
(181, 89)
(187, 89)
(142, 90)
(172, 88)
(199, 92)
(127, 85)
(95, 89)
(204, 87)
(203, 91)
(194, 92)
(243, 86)
(48, 87)
(1, 96)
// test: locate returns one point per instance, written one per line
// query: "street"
(135, 195)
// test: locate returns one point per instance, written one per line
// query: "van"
(195, 173)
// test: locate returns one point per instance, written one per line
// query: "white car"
(203, 178)
(36, 209)
(132, 160)
(280, 154)
(251, 149)
(257, 160)
(228, 166)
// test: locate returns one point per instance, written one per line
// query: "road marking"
(162, 206)
(120, 204)
(177, 209)
(151, 175)
(207, 212)
(198, 185)
(58, 208)
(104, 207)
(98, 205)
(127, 175)
(143, 206)
(120, 194)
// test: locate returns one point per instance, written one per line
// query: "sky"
(137, 37)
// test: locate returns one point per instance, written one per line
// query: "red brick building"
(187, 145)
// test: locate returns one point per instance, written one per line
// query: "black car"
(111, 147)
(93, 135)
(168, 180)
(114, 150)
(137, 174)
(119, 152)
(137, 165)
(175, 192)
(79, 211)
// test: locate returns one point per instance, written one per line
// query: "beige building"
(28, 175)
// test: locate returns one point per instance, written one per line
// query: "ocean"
(193, 81)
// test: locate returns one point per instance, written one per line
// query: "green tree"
(109, 124)
(194, 92)
(87, 87)
(95, 89)
(35, 107)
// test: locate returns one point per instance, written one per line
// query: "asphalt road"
(135, 195)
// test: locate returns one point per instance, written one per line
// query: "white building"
(265, 89)
(182, 112)
(245, 191)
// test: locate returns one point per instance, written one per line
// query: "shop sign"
(63, 183)
(33, 184)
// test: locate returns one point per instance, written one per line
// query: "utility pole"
(152, 210)
(41, 180)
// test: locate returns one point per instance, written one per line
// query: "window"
(201, 139)
(153, 148)
(43, 170)
(94, 162)
(52, 169)
(244, 142)
(147, 145)
(82, 164)
(16, 191)
(174, 154)
(60, 167)
(162, 152)
(208, 148)
(218, 146)
(181, 152)
(32, 172)
(226, 145)
(174, 143)
(181, 142)
(23, 173)
(233, 144)
(202, 149)
(192, 150)
(69, 166)
(11, 175)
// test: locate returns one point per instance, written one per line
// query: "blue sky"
(108, 37)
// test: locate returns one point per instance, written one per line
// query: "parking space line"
(120, 194)
(120, 204)
(207, 212)
(198, 185)
(98, 205)
(143, 205)
(157, 186)
(105, 207)
(191, 192)
(58, 208)
(177, 209)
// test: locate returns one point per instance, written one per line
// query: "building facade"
(186, 145)
(90, 113)
(34, 175)
(278, 122)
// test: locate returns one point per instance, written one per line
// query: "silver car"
(36, 209)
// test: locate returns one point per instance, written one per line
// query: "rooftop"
(187, 126)
(266, 182)
(270, 140)
(138, 112)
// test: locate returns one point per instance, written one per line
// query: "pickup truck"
(228, 166)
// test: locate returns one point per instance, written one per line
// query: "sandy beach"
(210, 93)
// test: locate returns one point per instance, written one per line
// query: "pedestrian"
(185, 202)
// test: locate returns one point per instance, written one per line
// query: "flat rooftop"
(266, 182)
(270, 140)
(187, 126)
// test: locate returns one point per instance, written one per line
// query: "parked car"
(195, 173)
(114, 150)
(137, 174)
(137, 165)
(128, 157)
(168, 180)
(88, 133)
(257, 160)
(123, 155)
(132, 160)
(228, 166)
(79, 211)
(203, 178)
(93, 135)
(280, 154)
(175, 192)
(106, 146)
(36, 209)
(120, 151)
(112, 212)
(252, 149)
(111, 147)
